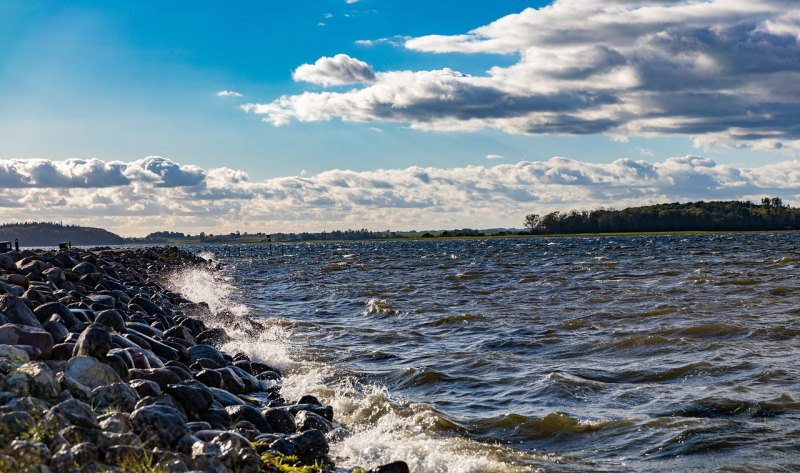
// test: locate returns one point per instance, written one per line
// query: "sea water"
(623, 353)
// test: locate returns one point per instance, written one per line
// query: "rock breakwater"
(103, 368)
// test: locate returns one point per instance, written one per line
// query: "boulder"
(94, 341)
(87, 373)
(280, 420)
(394, 467)
(237, 453)
(22, 334)
(116, 396)
(192, 395)
(159, 425)
(307, 420)
(206, 351)
(76, 413)
(112, 320)
(17, 312)
(161, 376)
(43, 381)
(249, 414)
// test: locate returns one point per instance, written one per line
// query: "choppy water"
(655, 353)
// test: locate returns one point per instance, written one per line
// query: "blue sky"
(371, 89)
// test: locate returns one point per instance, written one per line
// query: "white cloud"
(720, 71)
(350, 1)
(494, 157)
(337, 70)
(155, 193)
(228, 93)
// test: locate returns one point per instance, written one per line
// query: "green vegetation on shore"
(38, 234)
(770, 215)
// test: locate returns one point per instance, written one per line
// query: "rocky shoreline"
(103, 368)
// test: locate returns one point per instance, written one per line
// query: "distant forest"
(51, 234)
(771, 214)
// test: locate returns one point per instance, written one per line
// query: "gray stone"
(250, 414)
(57, 330)
(280, 420)
(87, 372)
(206, 351)
(225, 398)
(159, 425)
(237, 453)
(43, 380)
(111, 319)
(17, 334)
(116, 396)
(193, 396)
(161, 376)
(77, 413)
(17, 312)
(94, 341)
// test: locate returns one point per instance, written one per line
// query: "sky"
(276, 116)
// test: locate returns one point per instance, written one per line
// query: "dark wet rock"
(84, 268)
(109, 439)
(161, 400)
(192, 395)
(159, 425)
(324, 411)
(309, 399)
(209, 378)
(250, 414)
(206, 351)
(35, 298)
(57, 330)
(84, 315)
(160, 349)
(55, 276)
(85, 453)
(6, 288)
(144, 329)
(112, 320)
(116, 396)
(19, 334)
(94, 341)
(205, 364)
(118, 364)
(145, 387)
(149, 306)
(250, 382)
(280, 420)
(62, 351)
(224, 397)
(214, 335)
(181, 332)
(307, 420)
(17, 312)
(217, 418)
(309, 447)
(162, 376)
(394, 467)
(183, 374)
(268, 376)
(244, 365)
(82, 374)
(124, 355)
(232, 382)
(77, 413)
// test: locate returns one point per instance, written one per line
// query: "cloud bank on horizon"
(720, 71)
(154, 193)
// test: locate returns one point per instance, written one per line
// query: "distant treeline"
(51, 234)
(771, 214)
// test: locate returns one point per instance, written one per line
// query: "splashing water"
(381, 430)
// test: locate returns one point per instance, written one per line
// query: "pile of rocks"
(102, 368)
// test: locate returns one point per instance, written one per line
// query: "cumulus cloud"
(155, 193)
(721, 71)
(228, 93)
(494, 157)
(337, 70)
